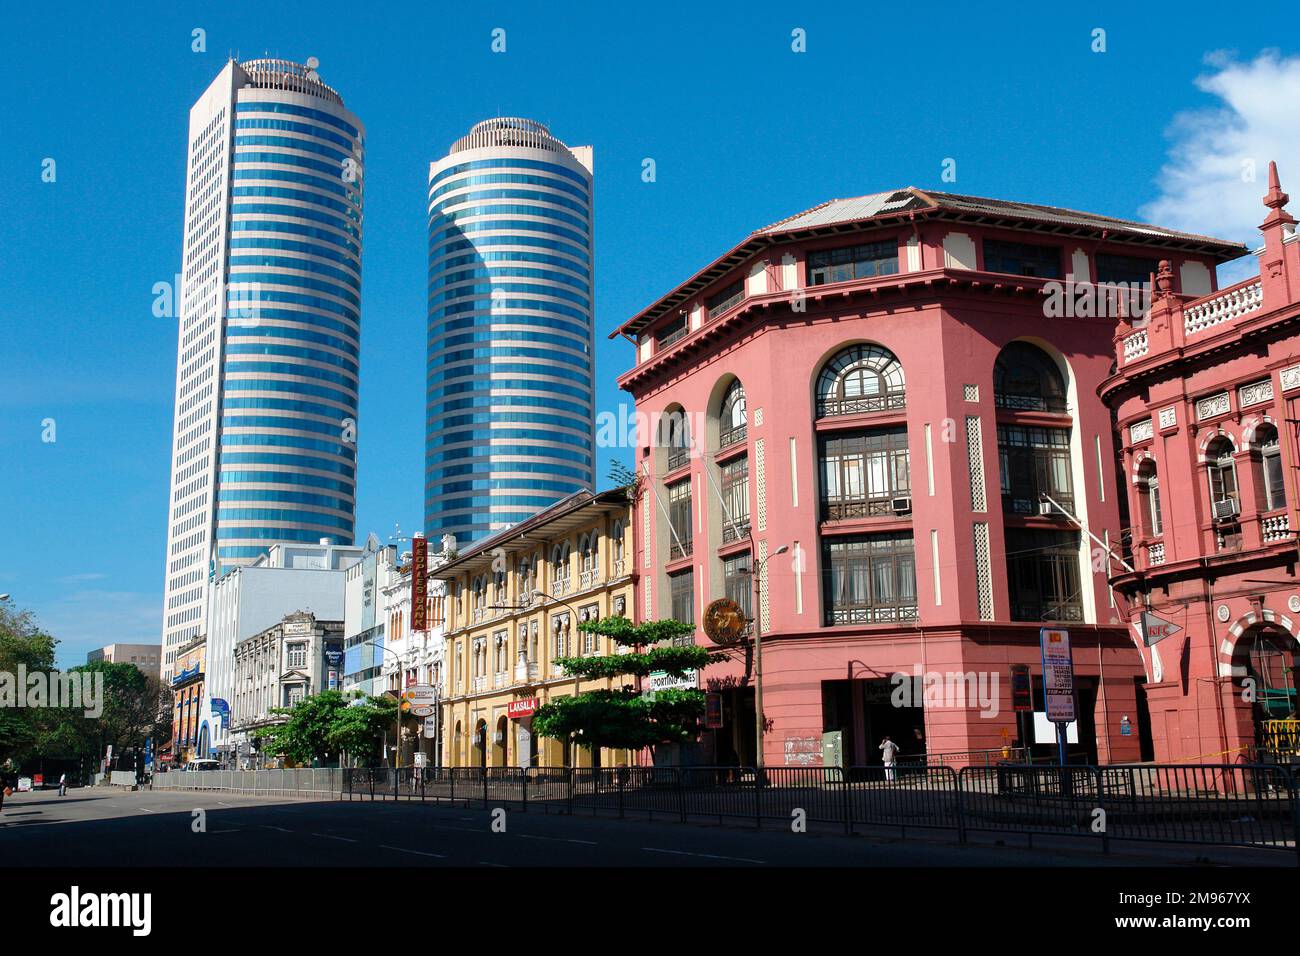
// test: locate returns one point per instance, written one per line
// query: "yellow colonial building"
(514, 602)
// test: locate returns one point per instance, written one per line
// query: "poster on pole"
(1058, 674)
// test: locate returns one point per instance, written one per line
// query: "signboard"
(1046, 732)
(713, 711)
(1058, 674)
(1022, 689)
(334, 680)
(724, 622)
(419, 583)
(420, 710)
(333, 658)
(420, 695)
(521, 708)
(421, 758)
(1156, 629)
(662, 680)
(430, 727)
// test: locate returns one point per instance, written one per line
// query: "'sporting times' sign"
(1058, 674)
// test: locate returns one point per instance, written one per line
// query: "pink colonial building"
(888, 386)
(1207, 399)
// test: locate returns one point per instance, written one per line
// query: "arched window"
(1149, 489)
(1270, 468)
(1221, 470)
(499, 596)
(587, 551)
(560, 563)
(675, 435)
(1026, 379)
(731, 417)
(616, 538)
(861, 378)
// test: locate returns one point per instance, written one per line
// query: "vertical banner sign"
(1022, 689)
(1058, 674)
(419, 583)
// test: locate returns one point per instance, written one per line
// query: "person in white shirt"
(889, 753)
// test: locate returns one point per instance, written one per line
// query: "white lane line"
(223, 831)
(534, 836)
(146, 810)
(402, 849)
(328, 836)
(710, 856)
(586, 842)
(267, 826)
(498, 865)
(220, 804)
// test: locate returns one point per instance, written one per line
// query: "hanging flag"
(1156, 629)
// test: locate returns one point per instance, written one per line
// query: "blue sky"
(743, 131)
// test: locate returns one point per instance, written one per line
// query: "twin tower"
(268, 302)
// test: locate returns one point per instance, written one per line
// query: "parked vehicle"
(203, 764)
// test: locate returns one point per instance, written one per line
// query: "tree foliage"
(623, 717)
(322, 726)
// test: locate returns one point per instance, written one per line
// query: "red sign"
(713, 711)
(419, 583)
(521, 708)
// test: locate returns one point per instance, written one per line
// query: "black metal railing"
(1251, 805)
(830, 407)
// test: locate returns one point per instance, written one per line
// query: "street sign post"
(1156, 629)
(1058, 680)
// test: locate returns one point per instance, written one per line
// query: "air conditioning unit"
(1226, 509)
(901, 506)
(1046, 509)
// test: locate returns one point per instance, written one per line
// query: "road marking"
(402, 849)
(223, 831)
(220, 804)
(267, 826)
(587, 842)
(328, 836)
(499, 865)
(710, 856)
(534, 836)
(146, 810)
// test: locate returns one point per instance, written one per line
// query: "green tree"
(623, 717)
(23, 643)
(323, 725)
(359, 727)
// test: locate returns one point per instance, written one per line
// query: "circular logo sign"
(724, 622)
(1224, 613)
(1293, 603)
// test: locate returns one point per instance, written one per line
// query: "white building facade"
(247, 600)
(268, 302)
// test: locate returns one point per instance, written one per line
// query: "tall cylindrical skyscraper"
(510, 420)
(269, 305)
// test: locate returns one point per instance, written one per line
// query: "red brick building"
(1207, 398)
(887, 386)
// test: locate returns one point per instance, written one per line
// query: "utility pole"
(756, 570)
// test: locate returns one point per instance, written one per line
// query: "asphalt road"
(111, 827)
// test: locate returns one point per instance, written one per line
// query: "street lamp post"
(756, 569)
(397, 746)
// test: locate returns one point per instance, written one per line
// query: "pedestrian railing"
(1230, 805)
(288, 782)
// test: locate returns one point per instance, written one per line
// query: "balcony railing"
(678, 458)
(1275, 527)
(527, 671)
(1224, 307)
(735, 530)
(1031, 403)
(480, 684)
(870, 615)
(840, 509)
(732, 436)
(501, 679)
(827, 408)
(563, 585)
(1156, 554)
(1042, 611)
(588, 579)
(679, 549)
(1136, 345)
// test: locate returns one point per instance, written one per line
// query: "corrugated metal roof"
(847, 210)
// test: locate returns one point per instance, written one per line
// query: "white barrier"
(297, 782)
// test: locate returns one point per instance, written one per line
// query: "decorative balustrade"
(1156, 554)
(527, 671)
(1223, 307)
(588, 579)
(1276, 527)
(563, 585)
(1136, 345)
(501, 679)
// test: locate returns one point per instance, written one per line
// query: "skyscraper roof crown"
(509, 131)
(271, 74)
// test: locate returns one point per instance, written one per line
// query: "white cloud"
(1205, 185)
